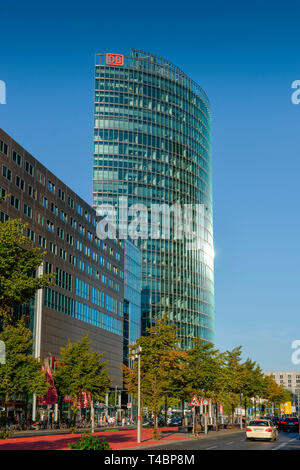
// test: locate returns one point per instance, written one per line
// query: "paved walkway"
(125, 439)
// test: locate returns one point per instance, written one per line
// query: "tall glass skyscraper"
(152, 145)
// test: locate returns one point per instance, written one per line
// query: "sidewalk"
(123, 439)
(49, 432)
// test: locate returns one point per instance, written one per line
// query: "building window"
(15, 202)
(53, 248)
(31, 234)
(48, 268)
(50, 226)
(39, 219)
(29, 168)
(70, 202)
(81, 288)
(63, 279)
(6, 173)
(17, 158)
(41, 178)
(61, 194)
(70, 239)
(20, 183)
(60, 233)
(63, 216)
(97, 296)
(3, 217)
(27, 210)
(54, 208)
(79, 209)
(42, 241)
(3, 147)
(63, 254)
(2, 192)
(32, 192)
(72, 260)
(81, 265)
(51, 186)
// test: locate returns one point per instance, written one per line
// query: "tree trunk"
(6, 410)
(232, 414)
(245, 412)
(166, 409)
(254, 408)
(182, 412)
(217, 417)
(155, 425)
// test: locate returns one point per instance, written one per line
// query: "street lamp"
(136, 354)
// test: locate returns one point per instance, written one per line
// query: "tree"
(22, 372)
(232, 377)
(160, 362)
(18, 264)
(204, 371)
(81, 370)
(249, 387)
(276, 394)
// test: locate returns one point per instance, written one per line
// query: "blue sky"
(245, 56)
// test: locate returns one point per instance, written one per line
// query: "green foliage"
(204, 369)
(156, 434)
(18, 264)
(88, 442)
(5, 434)
(22, 372)
(160, 363)
(81, 370)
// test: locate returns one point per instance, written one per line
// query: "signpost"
(205, 403)
(194, 402)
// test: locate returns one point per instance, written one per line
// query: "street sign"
(128, 405)
(205, 402)
(194, 401)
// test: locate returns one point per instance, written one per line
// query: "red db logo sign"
(114, 59)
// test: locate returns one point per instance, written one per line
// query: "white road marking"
(284, 444)
(212, 447)
(228, 443)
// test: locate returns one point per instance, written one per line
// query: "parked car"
(261, 429)
(291, 425)
(176, 421)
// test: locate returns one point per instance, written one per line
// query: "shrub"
(5, 434)
(88, 442)
(156, 434)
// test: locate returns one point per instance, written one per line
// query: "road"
(233, 441)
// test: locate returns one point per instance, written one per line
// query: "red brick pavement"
(118, 440)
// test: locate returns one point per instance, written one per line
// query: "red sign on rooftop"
(114, 59)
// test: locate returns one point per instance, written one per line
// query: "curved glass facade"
(152, 145)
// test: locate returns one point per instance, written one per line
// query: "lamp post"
(136, 354)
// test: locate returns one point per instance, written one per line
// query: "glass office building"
(132, 296)
(152, 145)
